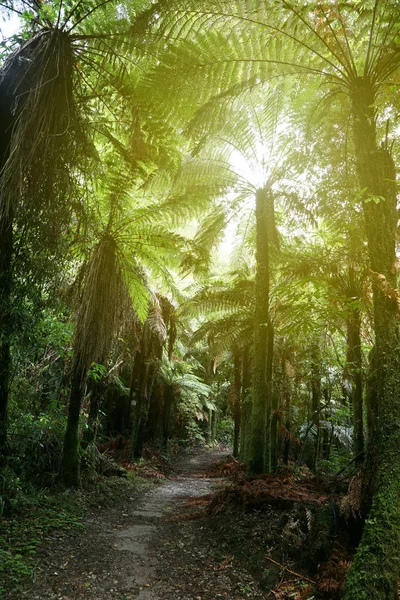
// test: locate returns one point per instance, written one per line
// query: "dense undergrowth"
(36, 507)
(290, 530)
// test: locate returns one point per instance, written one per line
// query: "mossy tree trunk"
(98, 389)
(6, 253)
(273, 401)
(375, 570)
(70, 458)
(245, 428)
(6, 249)
(237, 408)
(354, 365)
(169, 396)
(316, 397)
(261, 411)
(209, 426)
(286, 395)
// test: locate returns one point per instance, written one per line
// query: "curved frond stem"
(119, 56)
(395, 61)
(59, 14)
(90, 12)
(72, 12)
(100, 97)
(350, 63)
(99, 71)
(260, 132)
(321, 39)
(346, 39)
(301, 68)
(240, 151)
(371, 33)
(381, 50)
(96, 36)
(276, 163)
(295, 39)
(12, 9)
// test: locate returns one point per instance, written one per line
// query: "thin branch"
(12, 9)
(289, 570)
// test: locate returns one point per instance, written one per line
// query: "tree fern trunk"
(70, 458)
(273, 402)
(238, 402)
(168, 403)
(375, 570)
(260, 409)
(354, 361)
(96, 397)
(316, 397)
(6, 252)
(6, 249)
(246, 406)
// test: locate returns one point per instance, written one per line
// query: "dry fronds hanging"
(47, 129)
(104, 302)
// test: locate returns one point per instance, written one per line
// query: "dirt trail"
(135, 551)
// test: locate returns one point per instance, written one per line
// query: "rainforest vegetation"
(198, 247)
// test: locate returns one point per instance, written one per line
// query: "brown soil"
(145, 549)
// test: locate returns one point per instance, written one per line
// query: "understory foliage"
(198, 242)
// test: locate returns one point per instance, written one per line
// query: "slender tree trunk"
(370, 458)
(316, 397)
(214, 424)
(7, 119)
(245, 428)
(96, 397)
(209, 426)
(273, 402)
(260, 410)
(70, 458)
(168, 402)
(375, 570)
(237, 409)
(287, 412)
(6, 250)
(354, 362)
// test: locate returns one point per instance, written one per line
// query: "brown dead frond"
(48, 136)
(350, 505)
(104, 300)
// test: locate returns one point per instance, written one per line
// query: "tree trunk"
(214, 424)
(287, 412)
(375, 570)
(237, 409)
(316, 397)
(273, 401)
(96, 397)
(261, 411)
(246, 406)
(6, 249)
(168, 402)
(209, 427)
(70, 458)
(7, 119)
(354, 362)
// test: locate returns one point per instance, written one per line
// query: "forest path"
(146, 549)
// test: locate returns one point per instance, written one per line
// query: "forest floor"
(204, 532)
(139, 548)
